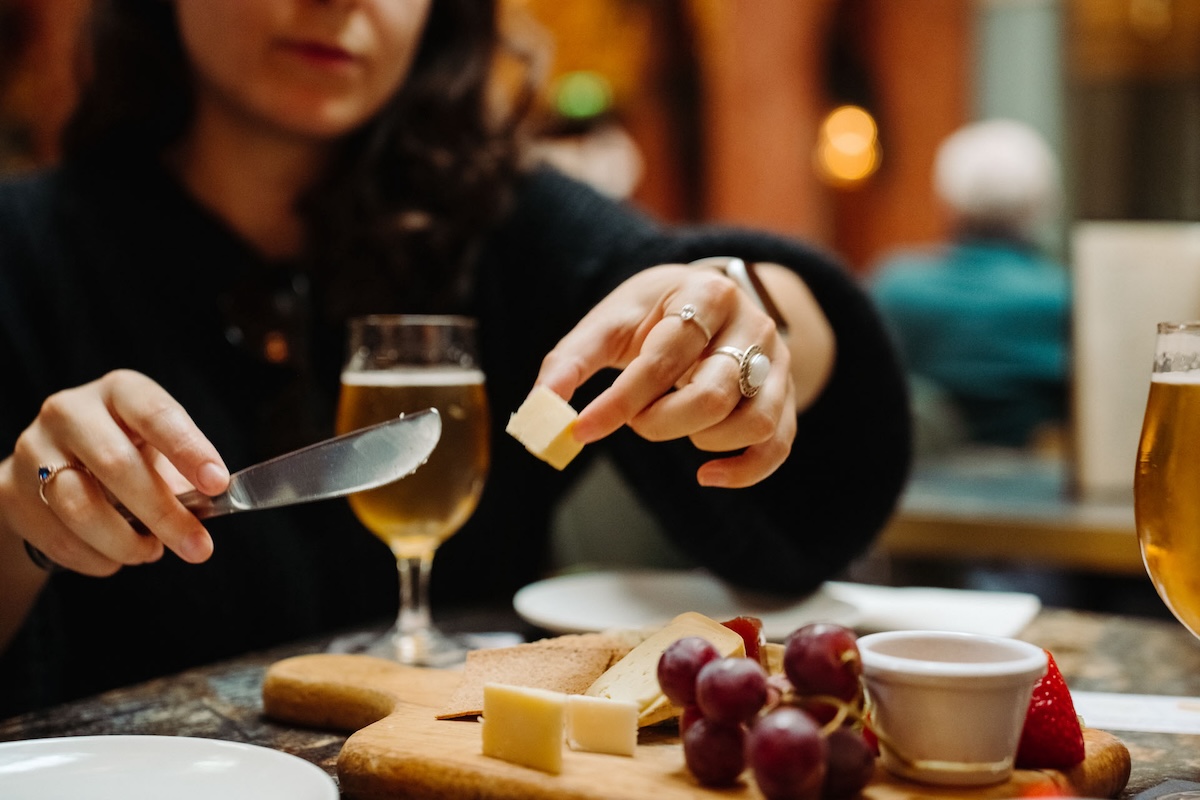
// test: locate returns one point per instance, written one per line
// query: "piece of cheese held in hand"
(524, 725)
(635, 677)
(543, 424)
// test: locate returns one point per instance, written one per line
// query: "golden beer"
(415, 514)
(1167, 492)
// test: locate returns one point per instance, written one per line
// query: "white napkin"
(887, 608)
(1138, 712)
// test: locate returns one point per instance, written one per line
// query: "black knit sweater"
(101, 269)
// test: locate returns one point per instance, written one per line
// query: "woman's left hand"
(673, 383)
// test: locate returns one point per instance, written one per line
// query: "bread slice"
(566, 664)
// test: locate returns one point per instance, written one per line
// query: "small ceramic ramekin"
(949, 707)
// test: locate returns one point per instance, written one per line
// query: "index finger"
(592, 345)
(153, 417)
(115, 427)
(663, 360)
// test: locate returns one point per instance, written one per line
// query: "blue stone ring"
(45, 474)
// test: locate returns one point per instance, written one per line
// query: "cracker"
(566, 664)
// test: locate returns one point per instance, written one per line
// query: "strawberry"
(1052, 737)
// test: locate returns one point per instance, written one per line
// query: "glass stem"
(414, 617)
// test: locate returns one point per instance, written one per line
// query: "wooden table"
(1011, 507)
(1095, 652)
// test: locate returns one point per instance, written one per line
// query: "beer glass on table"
(404, 363)
(1167, 480)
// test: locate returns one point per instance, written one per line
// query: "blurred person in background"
(982, 320)
(239, 178)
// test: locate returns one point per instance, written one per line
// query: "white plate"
(137, 767)
(596, 601)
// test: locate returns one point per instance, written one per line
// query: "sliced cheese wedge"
(543, 424)
(635, 677)
(524, 725)
(600, 725)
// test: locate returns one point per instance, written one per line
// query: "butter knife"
(353, 462)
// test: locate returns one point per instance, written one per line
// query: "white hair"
(1000, 175)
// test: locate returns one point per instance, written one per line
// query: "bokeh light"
(582, 95)
(848, 149)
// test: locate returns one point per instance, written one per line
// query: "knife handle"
(200, 504)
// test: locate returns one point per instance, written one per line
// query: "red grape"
(678, 666)
(850, 764)
(715, 752)
(731, 689)
(788, 754)
(687, 716)
(820, 710)
(822, 658)
(734, 715)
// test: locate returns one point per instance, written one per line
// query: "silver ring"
(688, 314)
(45, 474)
(753, 365)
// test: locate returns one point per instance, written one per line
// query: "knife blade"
(353, 462)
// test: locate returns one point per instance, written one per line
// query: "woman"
(241, 176)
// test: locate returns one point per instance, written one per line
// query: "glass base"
(424, 648)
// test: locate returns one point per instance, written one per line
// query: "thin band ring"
(688, 314)
(46, 474)
(753, 366)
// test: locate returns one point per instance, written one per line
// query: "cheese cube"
(543, 424)
(600, 725)
(635, 677)
(524, 725)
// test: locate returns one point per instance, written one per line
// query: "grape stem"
(852, 710)
(857, 711)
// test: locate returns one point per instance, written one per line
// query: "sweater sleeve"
(827, 502)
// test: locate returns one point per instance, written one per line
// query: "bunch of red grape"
(800, 733)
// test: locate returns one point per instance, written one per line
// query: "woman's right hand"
(139, 448)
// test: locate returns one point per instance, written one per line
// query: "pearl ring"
(753, 364)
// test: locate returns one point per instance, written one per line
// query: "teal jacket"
(987, 322)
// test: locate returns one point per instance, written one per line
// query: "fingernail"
(213, 477)
(197, 547)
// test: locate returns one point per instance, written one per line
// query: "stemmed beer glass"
(404, 363)
(1167, 481)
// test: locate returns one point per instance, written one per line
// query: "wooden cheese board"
(398, 749)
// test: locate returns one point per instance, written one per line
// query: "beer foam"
(413, 376)
(1191, 377)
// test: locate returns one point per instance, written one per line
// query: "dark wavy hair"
(401, 209)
